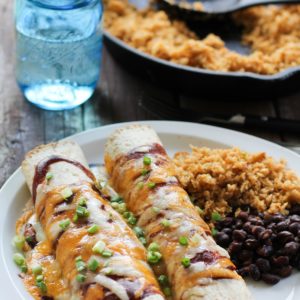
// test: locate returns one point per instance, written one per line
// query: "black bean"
(265, 250)
(254, 272)
(251, 243)
(285, 271)
(291, 248)
(270, 278)
(239, 224)
(227, 231)
(295, 209)
(239, 235)
(278, 218)
(234, 247)
(284, 237)
(268, 219)
(263, 265)
(295, 218)
(244, 272)
(222, 239)
(248, 227)
(226, 222)
(281, 226)
(266, 234)
(245, 255)
(247, 262)
(271, 226)
(294, 228)
(280, 261)
(243, 215)
(257, 230)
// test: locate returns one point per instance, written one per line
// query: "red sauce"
(208, 257)
(42, 168)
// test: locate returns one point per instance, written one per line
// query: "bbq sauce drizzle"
(42, 168)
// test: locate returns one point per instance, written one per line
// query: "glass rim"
(62, 4)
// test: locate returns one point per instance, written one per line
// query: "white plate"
(175, 136)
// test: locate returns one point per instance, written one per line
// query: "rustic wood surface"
(118, 98)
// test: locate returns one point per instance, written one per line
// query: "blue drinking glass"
(59, 46)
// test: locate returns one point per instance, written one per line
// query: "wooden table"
(23, 126)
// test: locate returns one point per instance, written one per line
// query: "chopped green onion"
(153, 257)
(107, 253)
(132, 220)
(19, 242)
(19, 259)
(30, 239)
(117, 199)
(37, 270)
(127, 214)
(39, 278)
(166, 223)
(115, 205)
(49, 175)
(99, 247)
(82, 201)
(24, 268)
(75, 218)
(42, 286)
(186, 262)
(80, 278)
(138, 231)
(215, 216)
(151, 185)
(145, 172)
(140, 185)
(78, 258)
(93, 229)
(66, 193)
(214, 231)
(156, 209)
(143, 240)
(167, 291)
(163, 280)
(80, 265)
(122, 208)
(183, 241)
(93, 265)
(82, 212)
(147, 160)
(64, 224)
(108, 271)
(153, 247)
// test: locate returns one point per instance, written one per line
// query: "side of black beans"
(239, 235)
(291, 248)
(222, 239)
(280, 261)
(263, 265)
(254, 272)
(270, 278)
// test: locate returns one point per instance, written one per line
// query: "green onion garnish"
(24, 268)
(215, 216)
(80, 278)
(93, 265)
(78, 258)
(19, 242)
(49, 175)
(145, 172)
(153, 257)
(214, 231)
(183, 241)
(167, 291)
(186, 262)
(82, 201)
(107, 253)
(163, 280)
(39, 278)
(42, 286)
(82, 212)
(151, 185)
(93, 229)
(122, 208)
(200, 211)
(80, 265)
(99, 247)
(127, 214)
(37, 270)
(166, 223)
(147, 160)
(143, 240)
(156, 209)
(153, 247)
(64, 224)
(19, 259)
(117, 199)
(115, 205)
(132, 220)
(140, 185)
(138, 231)
(66, 193)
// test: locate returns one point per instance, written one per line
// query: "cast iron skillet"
(201, 82)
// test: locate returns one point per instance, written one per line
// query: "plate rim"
(84, 137)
